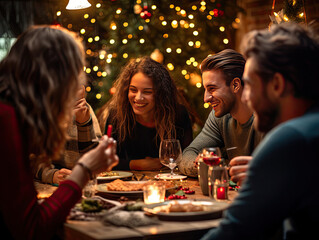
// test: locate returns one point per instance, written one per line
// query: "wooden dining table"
(163, 229)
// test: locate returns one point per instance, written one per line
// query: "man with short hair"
(281, 85)
(230, 123)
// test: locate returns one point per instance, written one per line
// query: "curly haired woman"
(143, 111)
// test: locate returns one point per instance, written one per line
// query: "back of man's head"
(230, 62)
(290, 49)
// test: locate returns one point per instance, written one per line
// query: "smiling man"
(230, 123)
(277, 199)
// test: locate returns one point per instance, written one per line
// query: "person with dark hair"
(230, 123)
(143, 111)
(38, 79)
(277, 199)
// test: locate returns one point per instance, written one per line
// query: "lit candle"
(154, 194)
(221, 193)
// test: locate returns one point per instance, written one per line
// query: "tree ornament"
(137, 9)
(157, 56)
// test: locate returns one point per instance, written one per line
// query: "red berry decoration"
(189, 192)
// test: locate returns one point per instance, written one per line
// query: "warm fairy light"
(237, 20)
(153, 7)
(183, 12)
(187, 76)
(82, 31)
(188, 62)
(101, 56)
(113, 26)
(190, 43)
(209, 17)
(198, 85)
(70, 25)
(276, 14)
(104, 74)
(99, 74)
(97, 38)
(170, 66)
(88, 52)
(191, 16)
(286, 18)
(88, 89)
(98, 5)
(125, 24)
(177, 8)
(100, 84)
(202, 8)
(118, 11)
(125, 55)
(164, 23)
(93, 20)
(211, 12)
(184, 72)
(194, 7)
(138, 1)
(197, 44)
(95, 68)
(192, 25)
(109, 55)
(98, 96)
(168, 50)
(142, 40)
(171, 6)
(88, 70)
(129, 36)
(206, 105)
(112, 90)
(203, 3)
(109, 60)
(165, 35)
(161, 18)
(301, 14)
(192, 59)
(195, 64)
(178, 50)
(147, 20)
(124, 41)
(195, 33)
(225, 41)
(174, 24)
(112, 41)
(86, 16)
(140, 28)
(58, 13)
(221, 28)
(90, 40)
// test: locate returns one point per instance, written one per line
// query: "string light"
(124, 41)
(206, 105)
(58, 13)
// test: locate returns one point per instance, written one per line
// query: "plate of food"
(168, 176)
(129, 188)
(187, 210)
(114, 175)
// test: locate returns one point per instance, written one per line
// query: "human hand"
(81, 109)
(196, 161)
(61, 175)
(238, 168)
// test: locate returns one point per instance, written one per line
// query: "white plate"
(103, 188)
(121, 174)
(213, 210)
(168, 176)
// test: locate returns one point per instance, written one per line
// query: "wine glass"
(170, 153)
(217, 173)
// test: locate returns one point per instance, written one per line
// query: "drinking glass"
(217, 174)
(170, 153)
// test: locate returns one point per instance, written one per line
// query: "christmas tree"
(179, 34)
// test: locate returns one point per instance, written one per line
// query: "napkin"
(121, 217)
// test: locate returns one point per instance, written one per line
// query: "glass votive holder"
(154, 193)
(218, 183)
(89, 189)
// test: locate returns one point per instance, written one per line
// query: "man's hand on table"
(238, 168)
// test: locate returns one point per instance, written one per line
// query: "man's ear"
(235, 85)
(277, 85)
